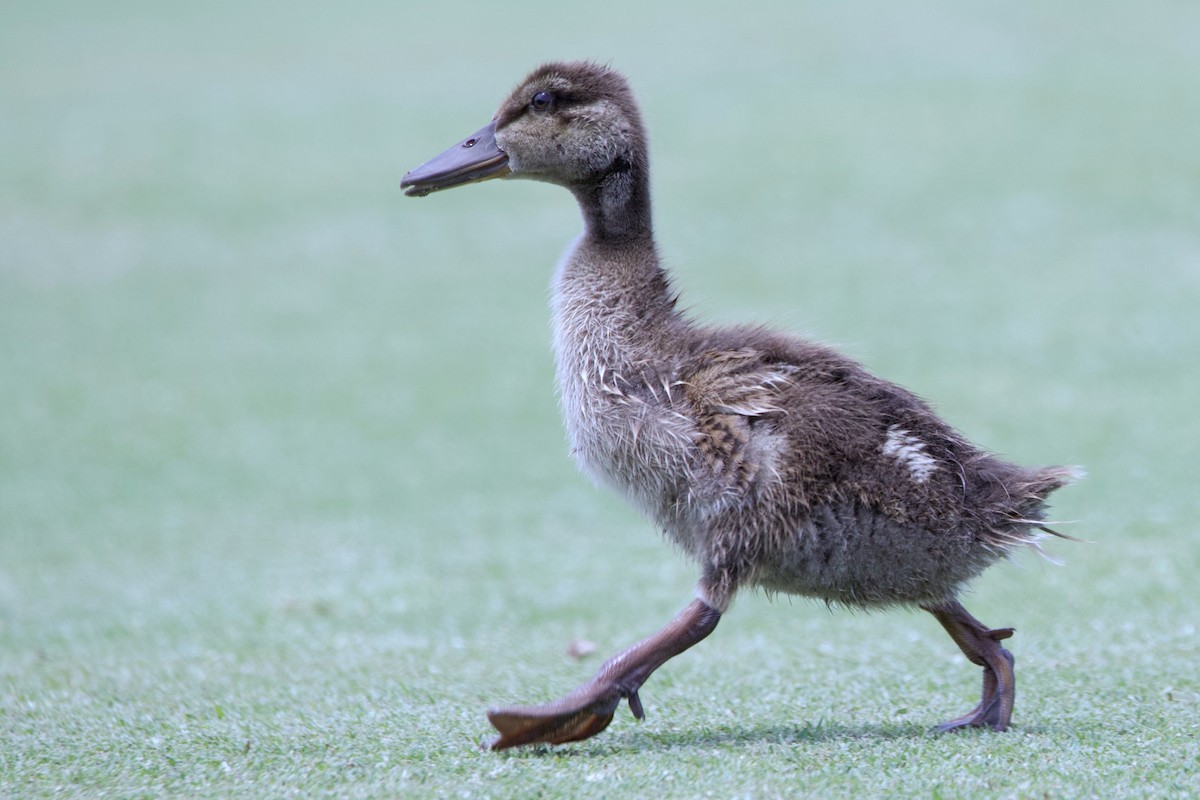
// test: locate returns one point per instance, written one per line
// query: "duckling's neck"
(612, 300)
(616, 206)
(612, 277)
(614, 310)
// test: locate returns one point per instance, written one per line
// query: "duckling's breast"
(632, 428)
(625, 434)
(617, 373)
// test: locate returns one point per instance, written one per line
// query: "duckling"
(774, 462)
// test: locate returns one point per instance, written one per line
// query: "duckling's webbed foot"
(567, 720)
(588, 710)
(981, 645)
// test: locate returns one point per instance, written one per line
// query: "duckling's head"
(574, 124)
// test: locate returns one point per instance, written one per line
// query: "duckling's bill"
(476, 158)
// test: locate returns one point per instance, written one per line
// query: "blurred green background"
(284, 498)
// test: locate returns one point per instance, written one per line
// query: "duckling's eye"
(541, 101)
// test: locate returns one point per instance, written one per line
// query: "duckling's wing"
(728, 394)
(738, 382)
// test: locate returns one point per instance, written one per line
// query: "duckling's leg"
(588, 710)
(980, 644)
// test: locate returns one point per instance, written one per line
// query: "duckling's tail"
(1047, 479)
(1021, 519)
(1041, 484)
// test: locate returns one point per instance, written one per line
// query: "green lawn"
(284, 498)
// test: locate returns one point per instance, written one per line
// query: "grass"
(284, 503)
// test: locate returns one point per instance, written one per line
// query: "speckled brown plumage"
(774, 462)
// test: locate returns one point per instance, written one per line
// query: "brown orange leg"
(981, 645)
(588, 710)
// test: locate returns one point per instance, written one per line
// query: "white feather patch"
(910, 451)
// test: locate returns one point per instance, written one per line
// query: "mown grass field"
(284, 499)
